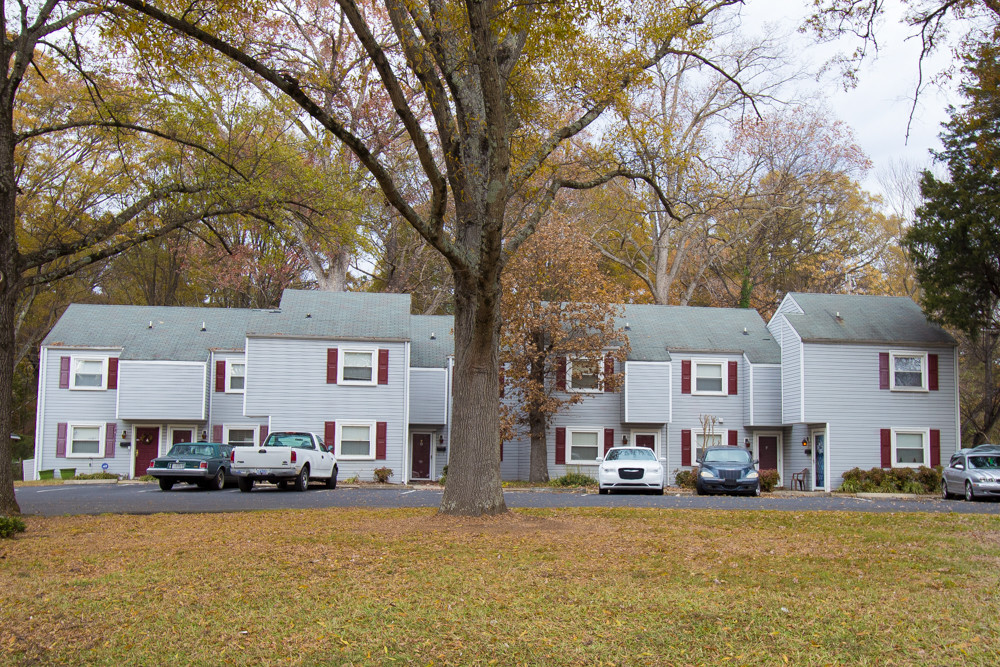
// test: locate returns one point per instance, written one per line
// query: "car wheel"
(283, 485)
(697, 489)
(602, 491)
(166, 484)
(302, 480)
(332, 482)
(659, 491)
(945, 495)
(219, 481)
(756, 491)
(246, 484)
(970, 495)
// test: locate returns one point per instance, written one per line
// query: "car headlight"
(752, 474)
(707, 473)
(607, 469)
(656, 471)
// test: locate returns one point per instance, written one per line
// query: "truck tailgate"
(263, 459)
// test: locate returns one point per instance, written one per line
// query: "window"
(585, 374)
(910, 448)
(240, 435)
(358, 367)
(89, 374)
(710, 440)
(708, 378)
(356, 441)
(85, 441)
(235, 377)
(908, 372)
(584, 446)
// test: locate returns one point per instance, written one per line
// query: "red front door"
(767, 452)
(147, 445)
(646, 440)
(181, 435)
(421, 456)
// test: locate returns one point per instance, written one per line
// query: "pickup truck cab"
(285, 457)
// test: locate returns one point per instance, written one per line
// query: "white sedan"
(633, 468)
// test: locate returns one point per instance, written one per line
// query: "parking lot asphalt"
(147, 498)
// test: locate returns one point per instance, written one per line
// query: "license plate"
(260, 472)
(175, 466)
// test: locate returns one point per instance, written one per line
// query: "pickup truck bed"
(286, 456)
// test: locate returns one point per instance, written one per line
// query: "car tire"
(601, 491)
(219, 481)
(970, 495)
(332, 482)
(282, 485)
(697, 489)
(246, 484)
(756, 491)
(945, 494)
(659, 491)
(166, 484)
(302, 479)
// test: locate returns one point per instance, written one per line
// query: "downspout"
(40, 410)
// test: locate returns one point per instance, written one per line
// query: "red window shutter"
(110, 433)
(733, 370)
(883, 370)
(886, 436)
(61, 429)
(113, 373)
(734, 436)
(686, 447)
(64, 372)
(220, 375)
(331, 365)
(609, 370)
(932, 372)
(330, 434)
(609, 439)
(935, 448)
(686, 378)
(383, 366)
(263, 434)
(217, 433)
(560, 446)
(561, 374)
(380, 441)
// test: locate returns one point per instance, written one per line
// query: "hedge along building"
(862, 381)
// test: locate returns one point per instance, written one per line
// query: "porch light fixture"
(204, 436)
(440, 439)
(805, 442)
(124, 435)
(746, 442)
(624, 440)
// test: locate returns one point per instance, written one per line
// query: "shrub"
(146, 478)
(382, 475)
(685, 479)
(893, 480)
(768, 480)
(352, 480)
(101, 475)
(10, 525)
(444, 475)
(573, 479)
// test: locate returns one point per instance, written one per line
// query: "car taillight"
(232, 455)
(293, 456)
(204, 465)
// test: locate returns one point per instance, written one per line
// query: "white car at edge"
(630, 468)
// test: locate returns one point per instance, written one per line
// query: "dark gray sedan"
(203, 463)
(974, 473)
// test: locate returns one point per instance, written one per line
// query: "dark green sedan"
(203, 463)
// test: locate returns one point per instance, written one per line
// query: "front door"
(421, 456)
(646, 440)
(767, 452)
(147, 445)
(819, 460)
(179, 435)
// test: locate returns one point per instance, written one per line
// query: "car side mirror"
(959, 466)
(757, 462)
(600, 459)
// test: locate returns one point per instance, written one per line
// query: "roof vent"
(628, 327)
(433, 336)
(745, 332)
(308, 315)
(839, 318)
(150, 324)
(203, 326)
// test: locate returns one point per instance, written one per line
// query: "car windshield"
(192, 450)
(638, 454)
(299, 440)
(733, 455)
(984, 462)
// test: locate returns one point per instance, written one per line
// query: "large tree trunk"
(474, 486)
(9, 283)
(538, 470)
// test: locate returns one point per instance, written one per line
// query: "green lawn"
(566, 587)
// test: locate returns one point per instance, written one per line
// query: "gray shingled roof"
(655, 330)
(345, 315)
(176, 333)
(864, 319)
(427, 352)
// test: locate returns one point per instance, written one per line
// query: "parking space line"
(406, 493)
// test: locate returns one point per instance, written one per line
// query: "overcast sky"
(878, 108)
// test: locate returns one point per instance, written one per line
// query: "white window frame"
(925, 433)
(100, 440)
(723, 370)
(570, 461)
(372, 445)
(226, 428)
(229, 375)
(923, 370)
(585, 390)
(699, 446)
(72, 373)
(342, 364)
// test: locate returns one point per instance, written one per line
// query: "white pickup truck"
(285, 457)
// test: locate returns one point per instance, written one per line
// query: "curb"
(90, 481)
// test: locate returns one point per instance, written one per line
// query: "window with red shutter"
(609, 371)
(932, 372)
(885, 435)
(113, 373)
(935, 448)
(686, 447)
(883, 370)
(331, 365)
(609, 439)
(217, 433)
(61, 430)
(263, 434)
(560, 446)
(383, 366)
(64, 363)
(330, 435)
(380, 441)
(686, 377)
(220, 375)
(110, 433)
(733, 379)
(561, 374)
(734, 438)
